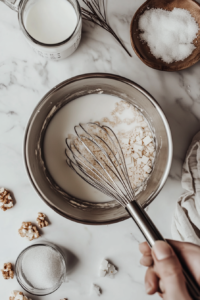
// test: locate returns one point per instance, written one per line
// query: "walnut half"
(16, 295)
(7, 271)
(41, 220)
(29, 231)
(6, 201)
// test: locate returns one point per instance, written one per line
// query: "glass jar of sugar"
(52, 27)
(41, 268)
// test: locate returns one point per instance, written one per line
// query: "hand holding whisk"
(95, 154)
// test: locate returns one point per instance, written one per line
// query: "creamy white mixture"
(51, 21)
(126, 121)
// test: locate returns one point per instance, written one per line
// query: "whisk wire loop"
(79, 165)
(91, 167)
(121, 155)
(118, 175)
(107, 173)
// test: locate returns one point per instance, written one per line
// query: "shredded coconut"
(169, 34)
(136, 140)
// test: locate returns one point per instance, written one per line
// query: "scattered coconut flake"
(97, 289)
(169, 34)
(16, 295)
(107, 269)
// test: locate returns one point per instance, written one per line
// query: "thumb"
(169, 270)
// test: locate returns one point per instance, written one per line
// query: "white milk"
(84, 109)
(94, 107)
(51, 21)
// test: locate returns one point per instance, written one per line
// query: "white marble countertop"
(24, 79)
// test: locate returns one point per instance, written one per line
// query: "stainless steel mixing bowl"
(65, 204)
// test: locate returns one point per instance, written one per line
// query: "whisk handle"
(152, 235)
(144, 223)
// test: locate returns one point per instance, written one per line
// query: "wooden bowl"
(142, 49)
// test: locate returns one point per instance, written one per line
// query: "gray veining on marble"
(24, 79)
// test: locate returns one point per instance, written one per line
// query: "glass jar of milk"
(52, 27)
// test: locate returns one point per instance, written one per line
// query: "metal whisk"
(95, 154)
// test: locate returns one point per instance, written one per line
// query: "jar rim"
(21, 9)
(18, 269)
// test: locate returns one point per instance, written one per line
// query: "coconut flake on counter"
(97, 289)
(107, 269)
(8, 271)
(6, 201)
(29, 231)
(16, 295)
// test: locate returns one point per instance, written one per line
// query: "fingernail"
(148, 287)
(162, 250)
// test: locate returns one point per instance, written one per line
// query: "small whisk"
(95, 154)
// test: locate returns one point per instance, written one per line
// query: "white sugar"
(42, 267)
(169, 34)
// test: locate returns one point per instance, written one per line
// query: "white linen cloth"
(186, 219)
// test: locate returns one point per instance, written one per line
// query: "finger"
(161, 286)
(151, 281)
(190, 254)
(146, 261)
(161, 295)
(169, 270)
(145, 249)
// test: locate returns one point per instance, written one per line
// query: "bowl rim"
(117, 78)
